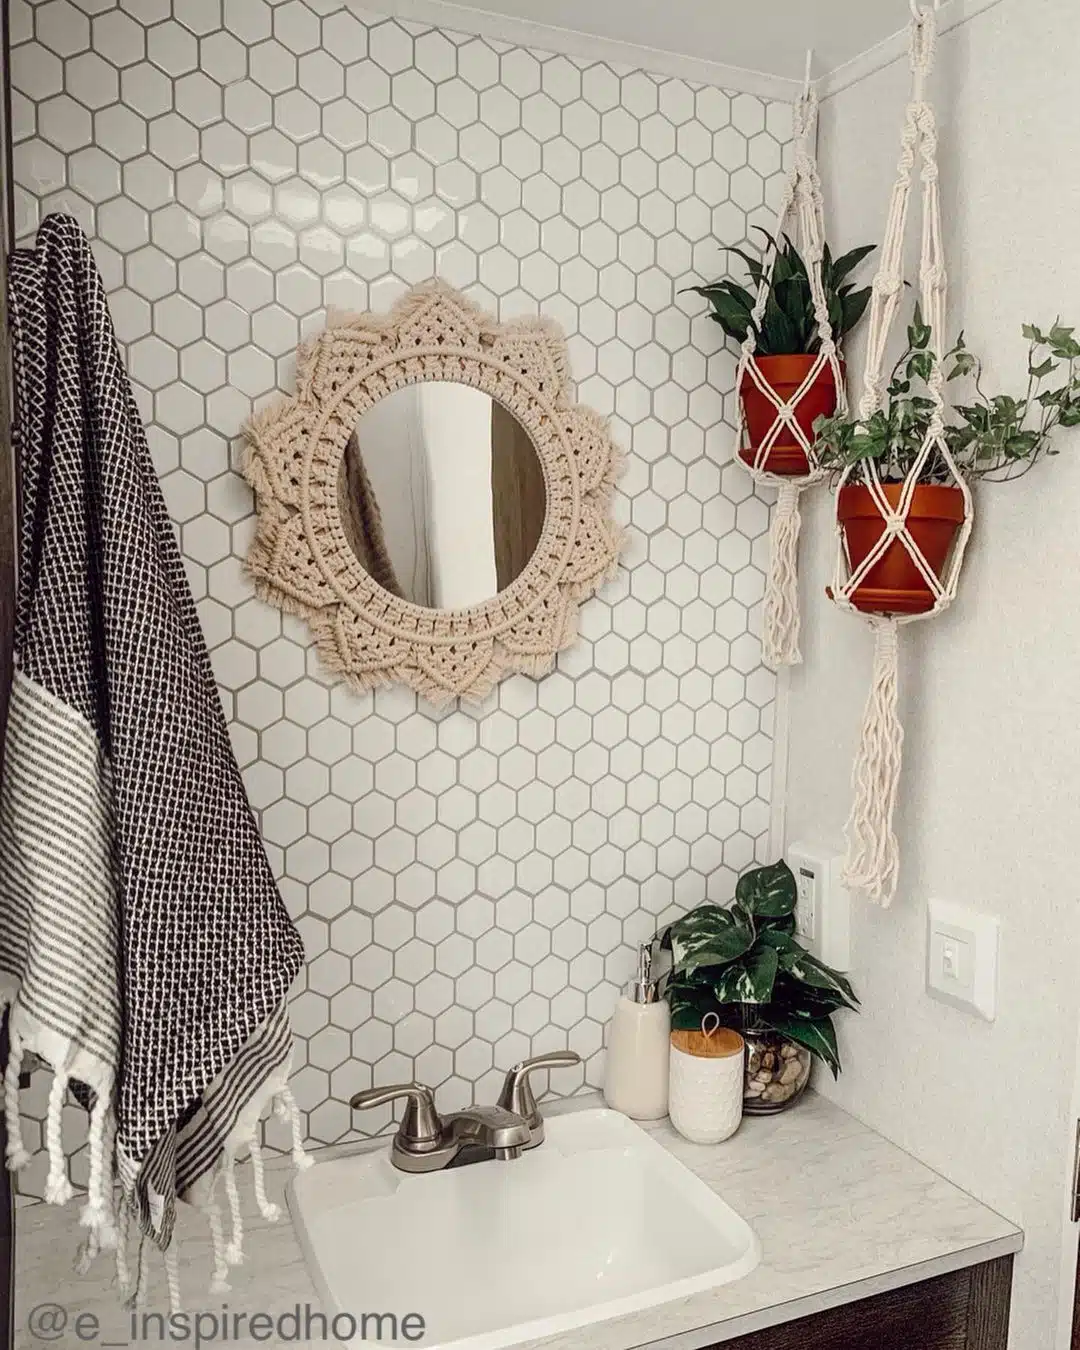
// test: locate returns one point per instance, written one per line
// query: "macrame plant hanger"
(873, 857)
(802, 202)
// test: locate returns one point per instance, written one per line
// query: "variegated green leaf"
(709, 936)
(802, 966)
(749, 980)
(689, 1002)
(818, 1036)
(796, 999)
(768, 892)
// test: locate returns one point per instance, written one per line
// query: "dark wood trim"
(1075, 1339)
(967, 1310)
(989, 1301)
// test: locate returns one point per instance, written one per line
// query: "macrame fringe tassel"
(780, 636)
(873, 855)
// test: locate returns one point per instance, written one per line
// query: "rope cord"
(803, 202)
(872, 863)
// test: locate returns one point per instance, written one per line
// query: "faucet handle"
(517, 1094)
(421, 1127)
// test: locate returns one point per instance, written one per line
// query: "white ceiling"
(770, 36)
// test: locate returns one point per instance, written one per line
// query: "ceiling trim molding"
(953, 14)
(588, 47)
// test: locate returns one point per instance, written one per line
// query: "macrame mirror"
(432, 500)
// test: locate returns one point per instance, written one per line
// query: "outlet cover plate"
(823, 915)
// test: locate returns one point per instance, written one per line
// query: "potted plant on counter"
(743, 963)
(993, 437)
(787, 341)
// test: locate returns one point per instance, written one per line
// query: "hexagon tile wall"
(469, 884)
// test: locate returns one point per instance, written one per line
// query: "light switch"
(961, 957)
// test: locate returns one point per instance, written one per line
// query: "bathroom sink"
(599, 1221)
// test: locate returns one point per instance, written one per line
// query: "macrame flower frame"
(301, 560)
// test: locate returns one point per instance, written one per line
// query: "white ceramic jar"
(705, 1096)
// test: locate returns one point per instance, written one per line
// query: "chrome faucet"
(428, 1142)
(517, 1094)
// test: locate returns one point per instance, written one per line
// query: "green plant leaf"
(689, 1004)
(800, 965)
(920, 366)
(769, 892)
(964, 364)
(795, 999)
(782, 925)
(918, 331)
(709, 936)
(750, 979)
(753, 265)
(852, 308)
(842, 267)
(818, 1036)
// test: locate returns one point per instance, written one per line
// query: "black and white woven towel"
(145, 953)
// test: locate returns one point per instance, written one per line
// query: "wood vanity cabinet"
(967, 1310)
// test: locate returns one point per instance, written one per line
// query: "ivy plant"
(789, 325)
(743, 963)
(996, 437)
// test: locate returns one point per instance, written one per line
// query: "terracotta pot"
(894, 585)
(785, 374)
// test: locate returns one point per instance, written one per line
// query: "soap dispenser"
(638, 1047)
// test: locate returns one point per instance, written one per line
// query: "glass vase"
(777, 1072)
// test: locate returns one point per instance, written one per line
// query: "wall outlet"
(823, 907)
(809, 881)
(961, 957)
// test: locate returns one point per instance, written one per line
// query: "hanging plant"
(787, 339)
(996, 438)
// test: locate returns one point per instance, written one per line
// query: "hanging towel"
(145, 953)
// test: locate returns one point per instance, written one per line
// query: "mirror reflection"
(442, 495)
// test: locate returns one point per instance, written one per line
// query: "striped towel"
(145, 953)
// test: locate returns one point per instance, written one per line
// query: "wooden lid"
(721, 1044)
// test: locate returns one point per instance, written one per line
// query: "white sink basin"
(599, 1221)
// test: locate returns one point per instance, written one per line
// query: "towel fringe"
(123, 1238)
(285, 1108)
(270, 1212)
(219, 1284)
(17, 1156)
(234, 1252)
(58, 1189)
(172, 1276)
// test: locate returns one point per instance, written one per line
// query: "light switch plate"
(961, 957)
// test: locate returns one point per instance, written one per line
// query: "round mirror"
(441, 493)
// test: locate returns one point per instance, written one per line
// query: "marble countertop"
(842, 1214)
